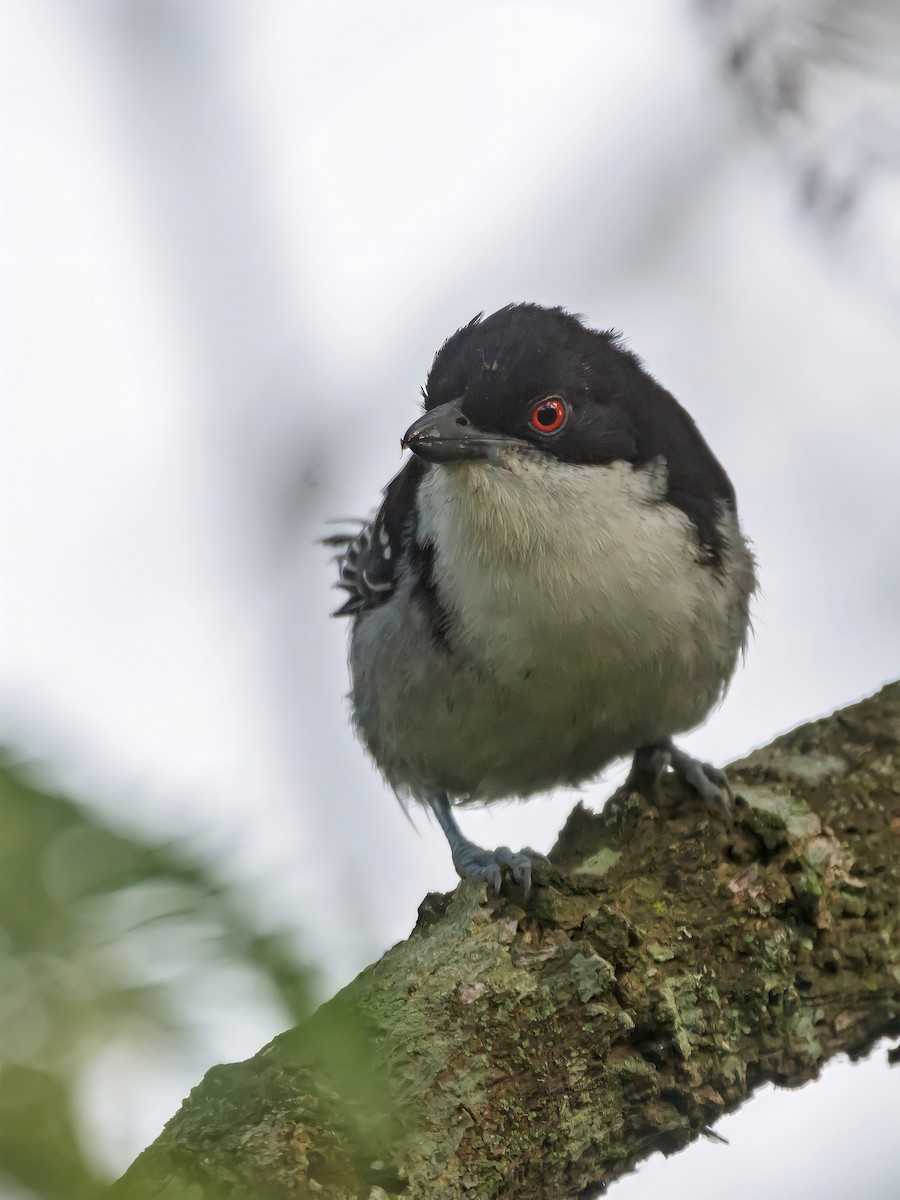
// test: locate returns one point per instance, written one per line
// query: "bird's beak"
(446, 435)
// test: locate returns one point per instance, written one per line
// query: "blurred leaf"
(103, 935)
(38, 1145)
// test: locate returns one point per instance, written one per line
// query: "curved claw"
(518, 864)
(711, 783)
(472, 862)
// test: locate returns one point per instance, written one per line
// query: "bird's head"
(528, 380)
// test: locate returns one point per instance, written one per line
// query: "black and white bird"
(555, 579)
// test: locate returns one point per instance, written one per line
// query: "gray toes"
(472, 862)
(519, 864)
(536, 856)
(710, 783)
(714, 774)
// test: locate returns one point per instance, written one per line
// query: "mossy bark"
(661, 969)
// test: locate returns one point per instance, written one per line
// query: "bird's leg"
(647, 769)
(471, 861)
(711, 783)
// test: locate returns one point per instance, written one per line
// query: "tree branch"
(660, 971)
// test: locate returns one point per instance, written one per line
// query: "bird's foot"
(709, 782)
(472, 862)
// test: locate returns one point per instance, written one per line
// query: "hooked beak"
(446, 435)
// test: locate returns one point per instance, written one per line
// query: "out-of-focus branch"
(659, 972)
(822, 77)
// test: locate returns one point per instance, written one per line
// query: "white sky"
(231, 238)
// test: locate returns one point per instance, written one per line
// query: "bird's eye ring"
(549, 415)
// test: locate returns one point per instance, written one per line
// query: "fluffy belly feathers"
(558, 663)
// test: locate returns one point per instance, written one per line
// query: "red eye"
(549, 415)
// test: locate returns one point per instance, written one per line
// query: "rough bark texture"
(659, 971)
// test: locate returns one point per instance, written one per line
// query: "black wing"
(369, 562)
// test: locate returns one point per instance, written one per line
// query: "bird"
(556, 578)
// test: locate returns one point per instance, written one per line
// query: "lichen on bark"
(662, 968)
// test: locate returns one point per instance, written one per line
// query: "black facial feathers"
(499, 366)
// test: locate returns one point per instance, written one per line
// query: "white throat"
(553, 546)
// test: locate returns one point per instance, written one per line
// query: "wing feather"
(369, 561)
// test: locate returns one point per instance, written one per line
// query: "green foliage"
(104, 936)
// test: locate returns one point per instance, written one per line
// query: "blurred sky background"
(233, 234)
